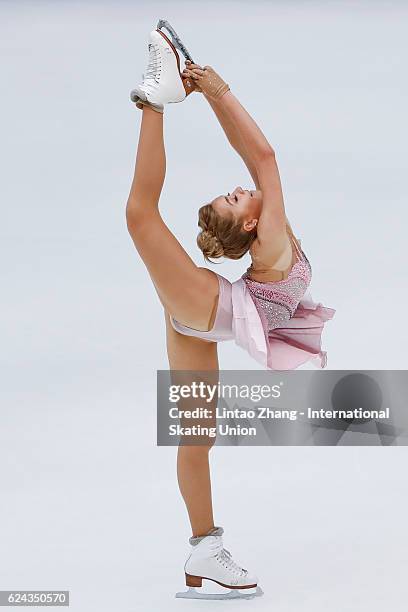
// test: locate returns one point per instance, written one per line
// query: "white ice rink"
(88, 502)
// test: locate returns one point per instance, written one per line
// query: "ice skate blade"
(175, 38)
(192, 593)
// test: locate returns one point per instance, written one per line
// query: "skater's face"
(243, 204)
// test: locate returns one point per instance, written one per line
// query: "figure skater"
(268, 311)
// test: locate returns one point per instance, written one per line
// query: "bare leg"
(187, 292)
(193, 473)
(193, 469)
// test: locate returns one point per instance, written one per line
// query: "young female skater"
(267, 311)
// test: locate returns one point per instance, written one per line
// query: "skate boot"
(162, 83)
(210, 561)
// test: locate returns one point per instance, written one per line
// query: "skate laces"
(224, 557)
(153, 71)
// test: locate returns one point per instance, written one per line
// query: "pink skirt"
(285, 348)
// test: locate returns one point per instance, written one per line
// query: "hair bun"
(210, 245)
(222, 236)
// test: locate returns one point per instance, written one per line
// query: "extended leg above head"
(185, 290)
(150, 171)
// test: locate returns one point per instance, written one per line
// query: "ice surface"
(88, 502)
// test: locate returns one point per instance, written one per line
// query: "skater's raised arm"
(272, 222)
(230, 130)
(260, 156)
(234, 138)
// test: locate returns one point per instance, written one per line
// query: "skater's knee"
(199, 451)
(210, 443)
(196, 454)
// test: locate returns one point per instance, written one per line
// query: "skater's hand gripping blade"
(192, 593)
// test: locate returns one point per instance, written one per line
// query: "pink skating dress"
(276, 322)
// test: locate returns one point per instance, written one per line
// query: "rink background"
(88, 503)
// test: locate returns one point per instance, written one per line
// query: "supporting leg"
(193, 473)
(193, 468)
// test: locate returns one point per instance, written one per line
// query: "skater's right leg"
(193, 469)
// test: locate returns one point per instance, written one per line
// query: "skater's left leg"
(188, 293)
(193, 469)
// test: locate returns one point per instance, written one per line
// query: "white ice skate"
(162, 82)
(210, 561)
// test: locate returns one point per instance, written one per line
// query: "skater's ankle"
(197, 537)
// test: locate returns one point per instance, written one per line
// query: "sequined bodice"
(277, 301)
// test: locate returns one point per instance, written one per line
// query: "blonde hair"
(222, 236)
